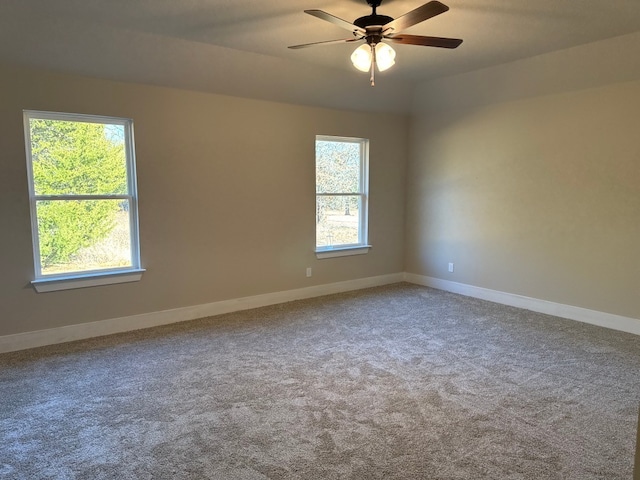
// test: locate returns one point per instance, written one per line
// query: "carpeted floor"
(391, 382)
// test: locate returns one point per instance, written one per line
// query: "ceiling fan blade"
(336, 21)
(327, 42)
(420, 14)
(425, 41)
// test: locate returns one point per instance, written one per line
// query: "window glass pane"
(337, 167)
(79, 158)
(337, 220)
(80, 235)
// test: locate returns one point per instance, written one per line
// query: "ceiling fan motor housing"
(373, 25)
(373, 20)
(370, 20)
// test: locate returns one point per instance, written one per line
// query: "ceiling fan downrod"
(373, 19)
(374, 4)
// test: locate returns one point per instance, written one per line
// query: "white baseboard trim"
(69, 333)
(594, 317)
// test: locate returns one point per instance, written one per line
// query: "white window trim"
(93, 279)
(363, 246)
(82, 279)
(342, 251)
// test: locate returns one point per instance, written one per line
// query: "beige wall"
(538, 197)
(226, 191)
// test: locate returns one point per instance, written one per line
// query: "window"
(82, 189)
(341, 196)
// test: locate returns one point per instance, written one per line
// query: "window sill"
(44, 285)
(342, 251)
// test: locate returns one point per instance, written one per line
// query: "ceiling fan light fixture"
(361, 57)
(374, 28)
(385, 56)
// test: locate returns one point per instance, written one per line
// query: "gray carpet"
(391, 382)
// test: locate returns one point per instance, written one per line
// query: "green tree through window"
(80, 192)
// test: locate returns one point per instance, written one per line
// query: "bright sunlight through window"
(341, 193)
(82, 189)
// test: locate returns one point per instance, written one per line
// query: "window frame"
(363, 246)
(85, 278)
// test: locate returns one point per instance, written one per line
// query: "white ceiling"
(239, 47)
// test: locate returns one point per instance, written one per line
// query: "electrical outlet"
(308, 271)
(451, 267)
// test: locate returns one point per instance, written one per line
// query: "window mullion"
(81, 197)
(341, 194)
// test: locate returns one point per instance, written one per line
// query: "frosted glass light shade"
(361, 58)
(385, 56)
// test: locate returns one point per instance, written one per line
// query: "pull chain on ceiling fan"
(374, 28)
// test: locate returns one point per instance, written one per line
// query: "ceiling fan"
(374, 28)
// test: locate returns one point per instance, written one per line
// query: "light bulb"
(385, 56)
(361, 58)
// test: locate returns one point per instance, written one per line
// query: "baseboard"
(594, 317)
(39, 338)
(69, 333)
